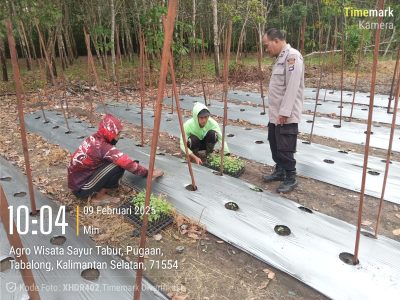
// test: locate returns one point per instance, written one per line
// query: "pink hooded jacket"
(96, 151)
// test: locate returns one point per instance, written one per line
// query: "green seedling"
(158, 206)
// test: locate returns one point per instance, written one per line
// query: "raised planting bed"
(159, 213)
(233, 166)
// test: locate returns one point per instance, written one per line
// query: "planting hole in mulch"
(5, 264)
(365, 132)
(307, 210)
(79, 121)
(368, 234)
(368, 96)
(373, 173)
(282, 230)
(55, 127)
(127, 109)
(331, 92)
(384, 161)
(160, 153)
(262, 113)
(256, 189)
(259, 142)
(248, 95)
(307, 142)
(364, 109)
(80, 137)
(46, 122)
(217, 173)
(91, 274)
(58, 114)
(181, 99)
(68, 132)
(313, 91)
(20, 194)
(168, 120)
(37, 118)
(349, 94)
(138, 145)
(329, 161)
(58, 240)
(231, 206)
(340, 106)
(242, 109)
(247, 128)
(309, 121)
(7, 178)
(337, 126)
(230, 135)
(191, 188)
(347, 258)
(235, 93)
(319, 103)
(343, 151)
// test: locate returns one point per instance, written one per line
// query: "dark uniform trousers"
(283, 141)
(208, 143)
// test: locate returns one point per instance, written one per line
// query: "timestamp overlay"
(61, 245)
(58, 249)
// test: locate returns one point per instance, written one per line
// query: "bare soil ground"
(208, 268)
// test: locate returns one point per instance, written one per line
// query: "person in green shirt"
(202, 133)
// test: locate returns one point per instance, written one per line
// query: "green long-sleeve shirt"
(192, 127)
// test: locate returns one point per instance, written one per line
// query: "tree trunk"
(118, 46)
(216, 37)
(24, 38)
(390, 42)
(66, 33)
(240, 41)
(193, 50)
(113, 61)
(3, 60)
(302, 35)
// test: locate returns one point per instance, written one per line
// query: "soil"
(208, 268)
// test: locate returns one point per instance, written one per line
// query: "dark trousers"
(106, 177)
(283, 141)
(208, 143)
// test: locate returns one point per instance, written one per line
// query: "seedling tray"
(153, 227)
(226, 171)
(237, 174)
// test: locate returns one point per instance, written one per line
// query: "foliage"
(153, 30)
(158, 205)
(353, 40)
(232, 165)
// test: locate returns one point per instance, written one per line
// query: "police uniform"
(285, 98)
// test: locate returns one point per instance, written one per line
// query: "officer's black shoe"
(289, 183)
(277, 175)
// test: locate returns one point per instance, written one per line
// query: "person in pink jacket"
(97, 165)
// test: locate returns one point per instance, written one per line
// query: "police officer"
(285, 101)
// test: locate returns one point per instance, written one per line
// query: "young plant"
(232, 165)
(158, 206)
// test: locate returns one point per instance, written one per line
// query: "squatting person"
(285, 100)
(97, 165)
(202, 133)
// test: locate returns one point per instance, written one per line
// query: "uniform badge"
(291, 61)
